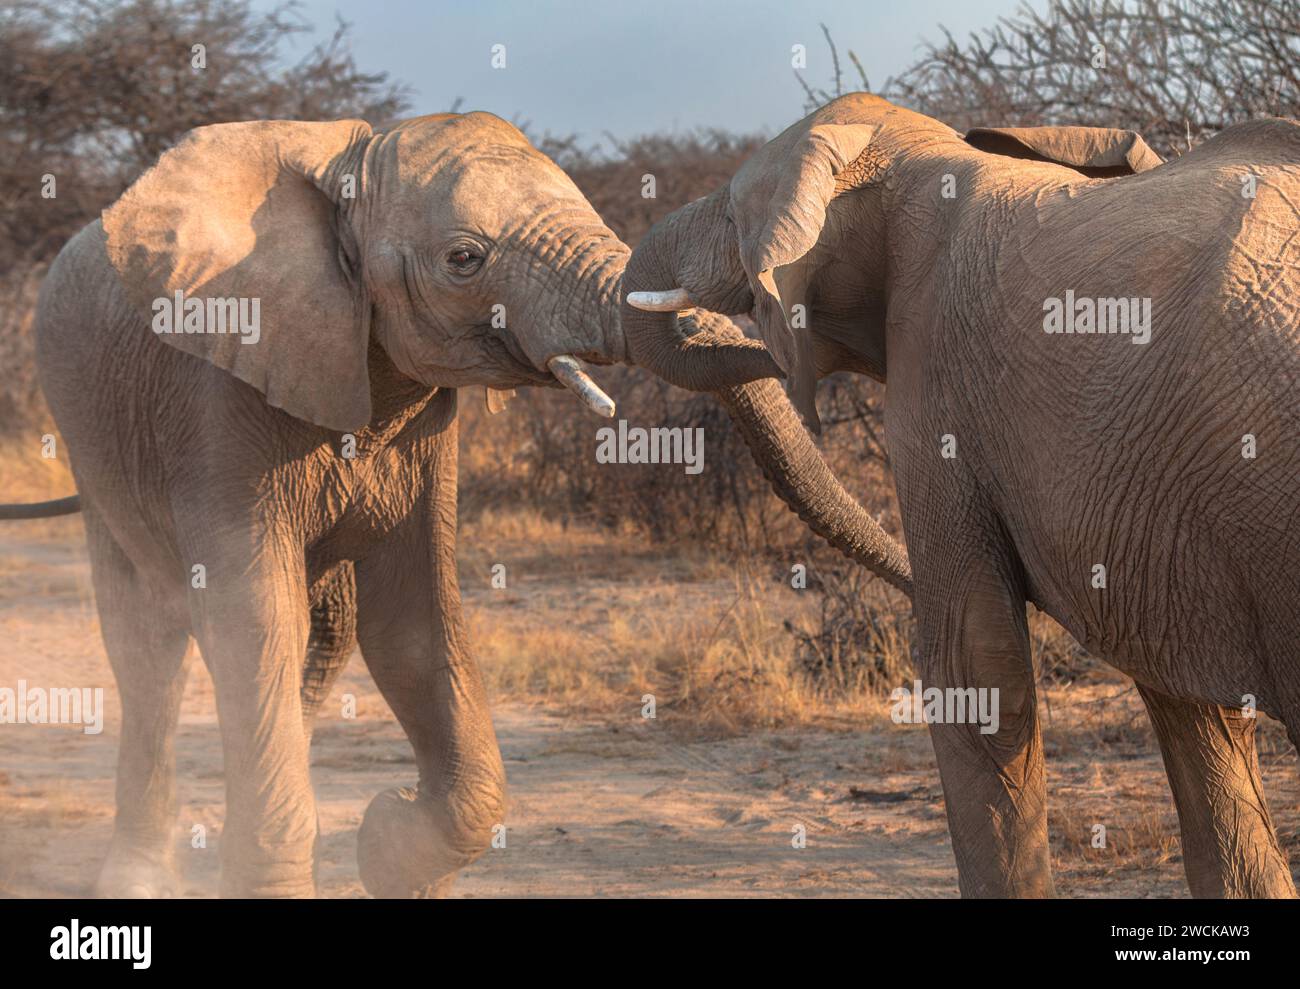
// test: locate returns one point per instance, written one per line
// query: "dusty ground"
(602, 802)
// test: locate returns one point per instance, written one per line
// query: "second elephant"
(1092, 362)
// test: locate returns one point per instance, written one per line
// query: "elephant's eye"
(464, 261)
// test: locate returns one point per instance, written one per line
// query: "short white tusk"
(670, 300)
(569, 373)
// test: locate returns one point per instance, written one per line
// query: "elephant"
(1139, 485)
(253, 357)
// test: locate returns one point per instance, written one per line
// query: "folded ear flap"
(1101, 152)
(778, 203)
(237, 224)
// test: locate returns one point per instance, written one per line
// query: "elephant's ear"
(1101, 152)
(778, 203)
(248, 212)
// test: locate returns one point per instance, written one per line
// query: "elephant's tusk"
(569, 373)
(669, 300)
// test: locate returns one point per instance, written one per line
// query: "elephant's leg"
(1229, 846)
(330, 643)
(331, 640)
(252, 621)
(413, 840)
(146, 637)
(971, 615)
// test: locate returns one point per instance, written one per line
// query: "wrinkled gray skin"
(201, 450)
(1072, 450)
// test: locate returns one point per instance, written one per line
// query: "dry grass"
(592, 621)
(723, 668)
(1139, 834)
(1104, 771)
(59, 804)
(718, 646)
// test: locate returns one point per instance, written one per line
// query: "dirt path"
(599, 811)
(594, 809)
(597, 807)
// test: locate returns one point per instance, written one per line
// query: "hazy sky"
(637, 66)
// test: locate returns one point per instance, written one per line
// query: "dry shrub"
(736, 673)
(22, 406)
(93, 91)
(860, 640)
(1057, 657)
(24, 416)
(684, 168)
(541, 452)
(726, 668)
(1175, 71)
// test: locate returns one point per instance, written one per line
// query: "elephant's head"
(804, 233)
(808, 236)
(468, 255)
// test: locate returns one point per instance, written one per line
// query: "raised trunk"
(757, 404)
(706, 361)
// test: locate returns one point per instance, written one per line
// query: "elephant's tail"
(42, 509)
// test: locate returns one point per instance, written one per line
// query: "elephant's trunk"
(705, 361)
(799, 475)
(605, 293)
(741, 373)
(601, 298)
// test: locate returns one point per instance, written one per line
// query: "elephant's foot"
(253, 888)
(136, 874)
(410, 846)
(255, 876)
(261, 868)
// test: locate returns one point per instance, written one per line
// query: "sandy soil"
(610, 806)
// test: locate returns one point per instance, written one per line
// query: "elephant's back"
(1264, 144)
(113, 387)
(85, 324)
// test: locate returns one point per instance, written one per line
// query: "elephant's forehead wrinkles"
(491, 191)
(463, 162)
(553, 221)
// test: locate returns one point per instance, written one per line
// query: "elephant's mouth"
(562, 370)
(593, 357)
(507, 359)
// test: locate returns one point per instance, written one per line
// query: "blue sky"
(636, 66)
